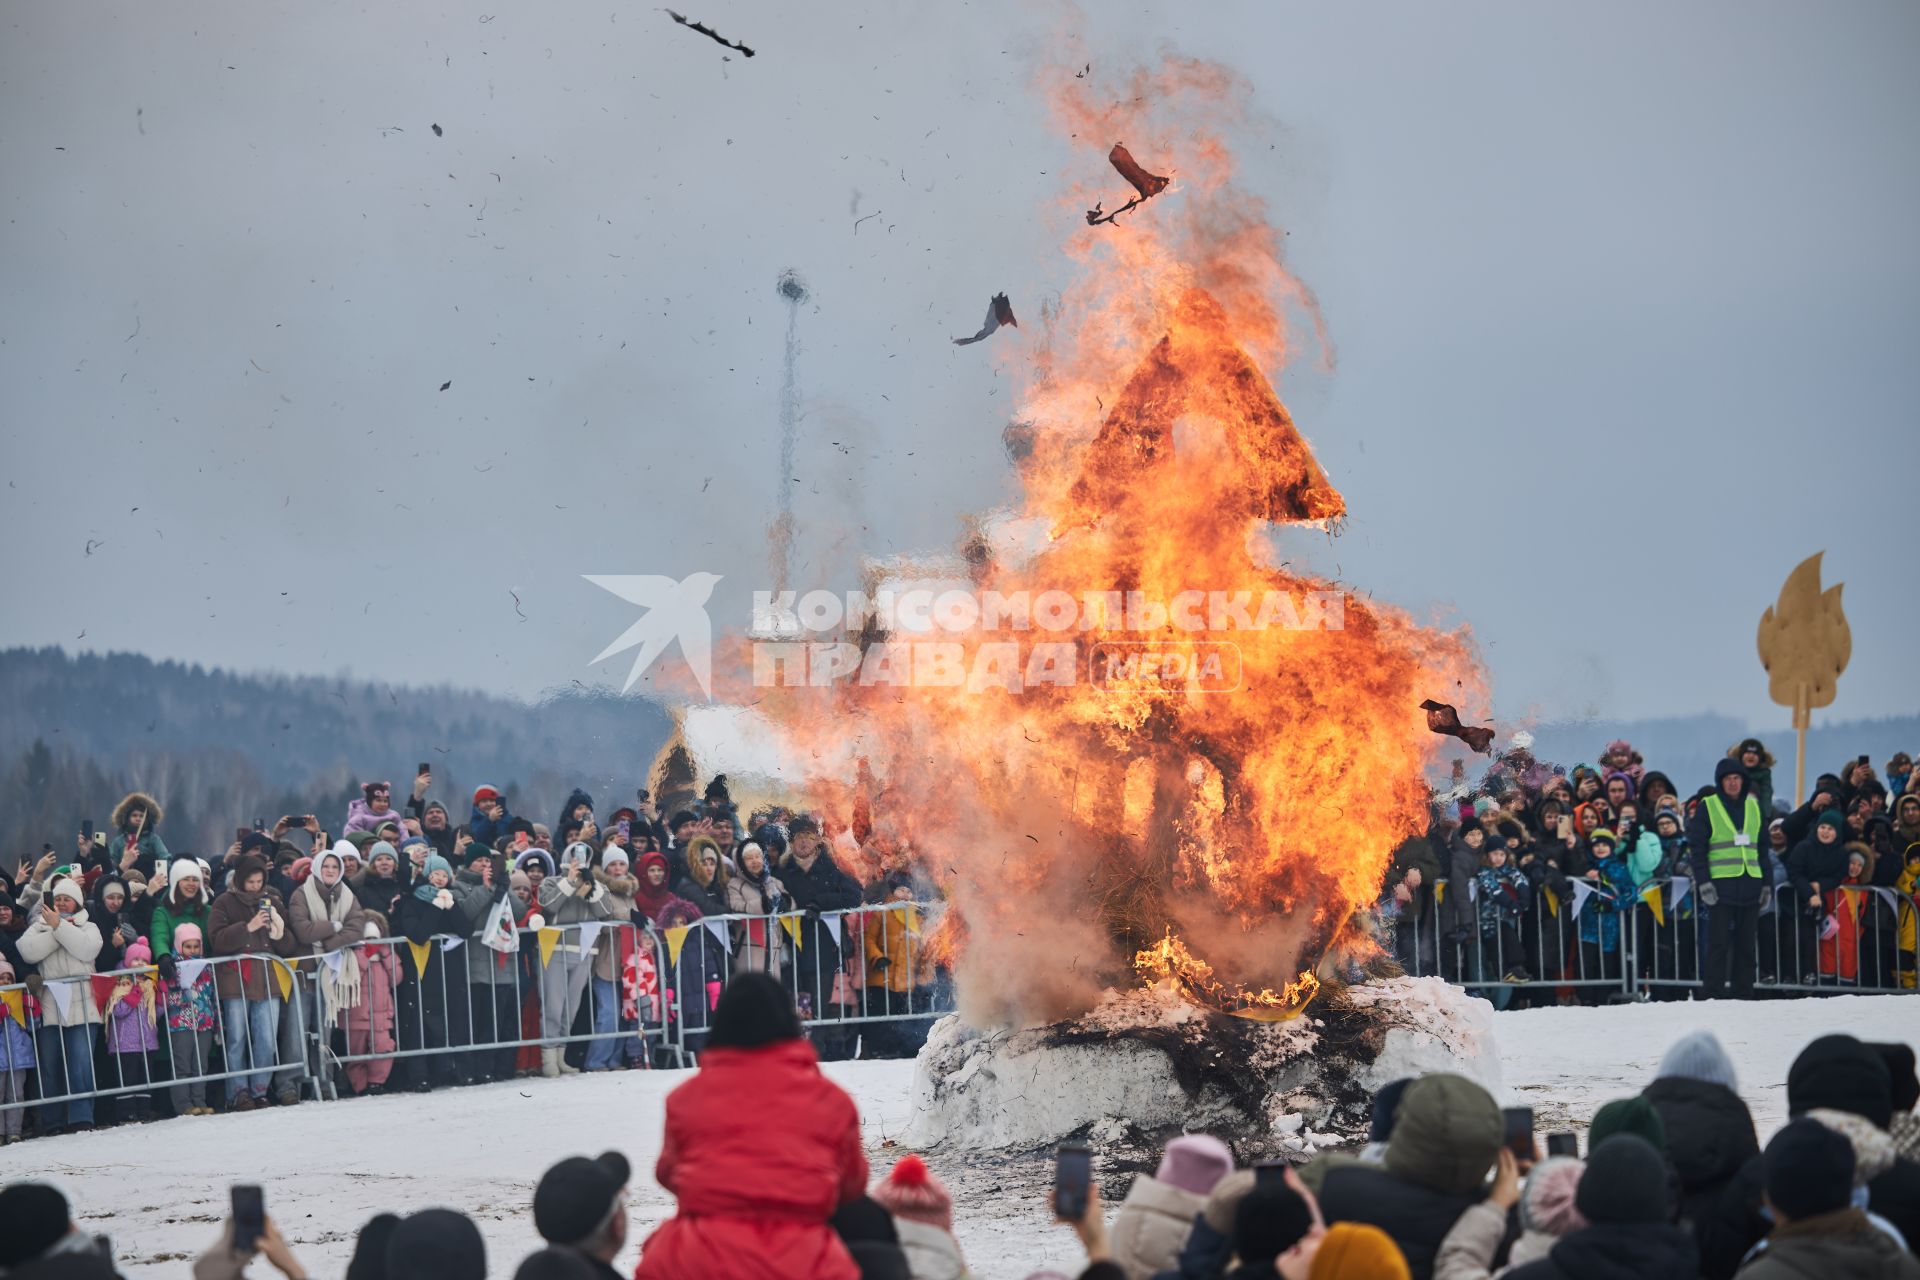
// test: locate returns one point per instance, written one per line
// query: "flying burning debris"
(1147, 184)
(999, 312)
(1442, 718)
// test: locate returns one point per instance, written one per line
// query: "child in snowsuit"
(133, 1017)
(17, 1056)
(369, 1020)
(193, 1015)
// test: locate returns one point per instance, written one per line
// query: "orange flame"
(1082, 829)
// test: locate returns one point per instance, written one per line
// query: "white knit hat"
(181, 869)
(64, 887)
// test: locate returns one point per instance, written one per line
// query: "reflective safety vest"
(1732, 854)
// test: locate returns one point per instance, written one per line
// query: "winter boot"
(550, 1062)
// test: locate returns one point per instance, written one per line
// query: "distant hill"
(218, 749)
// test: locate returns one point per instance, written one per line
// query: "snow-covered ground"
(160, 1190)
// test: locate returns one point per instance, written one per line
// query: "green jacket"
(167, 917)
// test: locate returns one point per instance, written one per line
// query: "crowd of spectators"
(1561, 884)
(1675, 1185)
(147, 982)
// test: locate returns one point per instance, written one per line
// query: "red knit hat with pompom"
(911, 1191)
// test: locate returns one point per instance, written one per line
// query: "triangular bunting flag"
(1651, 896)
(102, 990)
(333, 960)
(549, 939)
(448, 942)
(1553, 900)
(913, 920)
(421, 951)
(590, 934)
(1892, 899)
(16, 1002)
(1581, 892)
(1440, 891)
(1473, 891)
(282, 978)
(676, 939)
(832, 920)
(718, 929)
(1681, 887)
(62, 993)
(792, 925)
(188, 971)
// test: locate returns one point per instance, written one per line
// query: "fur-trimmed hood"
(1766, 757)
(624, 886)
(139, 799)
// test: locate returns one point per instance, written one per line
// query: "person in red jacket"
(755, 1199)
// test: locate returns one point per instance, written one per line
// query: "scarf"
(338, 973)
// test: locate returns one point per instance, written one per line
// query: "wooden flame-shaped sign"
(1805, 642)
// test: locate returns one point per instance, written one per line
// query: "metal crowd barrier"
(73, 1066)
(429, 1013)
(1660, 943)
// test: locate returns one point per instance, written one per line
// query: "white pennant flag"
(590, 934)
(1581, 892)
(333, 960)
(1892, 899)
(448, 942)
(188, 971)
(718, 929)
(1681, 887)
(62, 993)
(831, 919)
(1473, 890)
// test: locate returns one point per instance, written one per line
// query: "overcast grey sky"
(1625, 298)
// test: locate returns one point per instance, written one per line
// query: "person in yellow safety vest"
(1733, 873)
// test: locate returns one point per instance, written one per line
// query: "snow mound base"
(1144, 1065)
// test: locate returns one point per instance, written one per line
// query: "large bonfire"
(1212, 825)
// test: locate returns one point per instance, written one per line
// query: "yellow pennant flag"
(282, 978)
(1651, 896)
(676, 939)
(16, 1002)
(1439, 891)
(792, 925)
(913, 919)
(1553, 900)
(549, 939)
(422, 952)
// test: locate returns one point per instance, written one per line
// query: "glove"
(443, 899)
(879, 963)
(1766, 898)
(335, 924)
(1709, 894)
(813, 913)
(128, 934)
(168, 970)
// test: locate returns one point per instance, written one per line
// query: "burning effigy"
(1138, 754)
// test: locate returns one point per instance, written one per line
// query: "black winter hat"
(576, 1195)
(33, 1216)
(1625, 1181)
(1809, 1170)
(437, 1244)
(864, 1219)
(369, 1260)
(1385, 1104)
(754, 1010)
(1841, 1074)
(878, 1260)
(1900, 1063)
(1727, 766)
(1269, 1221)
(260, 842)
(555, 1264)
(804, 825)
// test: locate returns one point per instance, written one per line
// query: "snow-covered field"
(160, 1190)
